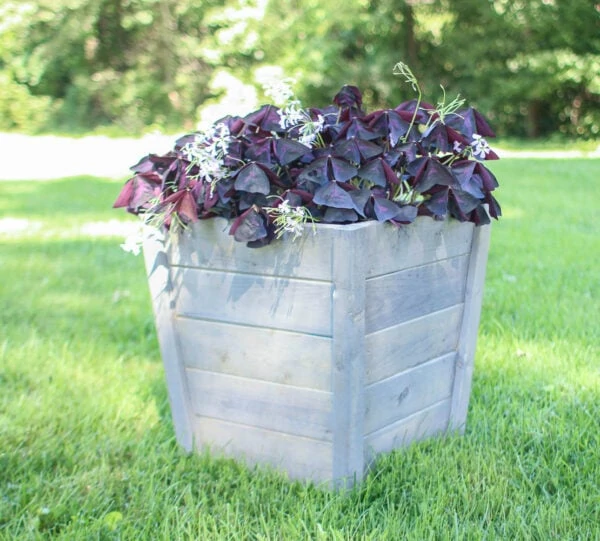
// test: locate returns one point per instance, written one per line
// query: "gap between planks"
(198, 417)
(407, 419)
(411, 369)
(410, 267)
(184, 315)
(253, 274)
(259, 381)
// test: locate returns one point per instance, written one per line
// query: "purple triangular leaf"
(437, 204)
(341, 169)
(259, 150)
(252, 178)
(266, 118)
(436, 138)
(493, 206)
(125, 195)
(469, 121)
(249, 226)
(385, 209)
(332, 195)
(435, 174)
(356, 150)
(357, 128)
(287, 150)
(479, 216)
(407, 214)
(360, 198)
(489, 180)
(317, 172)
(337, 216)
(462, 203)
(378, 172)
(469, 181)
(348, 96)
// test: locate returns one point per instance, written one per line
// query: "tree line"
(532, 66)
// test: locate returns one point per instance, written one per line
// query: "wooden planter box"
(314, 356)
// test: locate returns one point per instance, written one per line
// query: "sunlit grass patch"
(87, 449)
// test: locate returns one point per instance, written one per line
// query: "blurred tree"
(326, 45)
(532, 66)
(130, 62)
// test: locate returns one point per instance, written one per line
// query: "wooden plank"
(427, 422)
(414, 292)
(251, 299)
(208, 244)
(398, 348)
(348, 357)
(294, 410)
(424, 241)
(266, 354)
(395, 398)
(301, 458)
(160, 286)
(470, 324)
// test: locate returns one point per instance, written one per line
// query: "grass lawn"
(87, 449)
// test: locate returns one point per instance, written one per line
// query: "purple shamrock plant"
(280, 167)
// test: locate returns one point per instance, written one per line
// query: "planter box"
(314, 356)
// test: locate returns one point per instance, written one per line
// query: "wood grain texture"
(400, 347)
(414, 292)
(159, 281)
(283, 357)
(251, 299)
(313, 356)
(424, 241)
(295, 410)
(207, 244)
(430, 421)
(301, 458)
(470, 325)
(348, 312)
(395, 398)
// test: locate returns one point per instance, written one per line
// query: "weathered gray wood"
(470, 325)
(427, 422)
(301, 458)
(207, 244)
(409, 344)
(422, 242)
(395, 398)
(349, 272)
(414, 292)
(252, 299)
(283, 357)
(297, 360)
(160, 285)
(295, 410)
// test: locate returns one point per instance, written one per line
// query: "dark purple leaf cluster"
(389, 165)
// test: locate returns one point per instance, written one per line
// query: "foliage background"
(73, 65)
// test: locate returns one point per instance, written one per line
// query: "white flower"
(289, 219)
(280, 91)
(458, 148)
(291, 115)
(207, 152)
(132, 244)
(310, 129)
(480, 146)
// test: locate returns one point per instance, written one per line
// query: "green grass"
(555, 142)
(86, 443)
